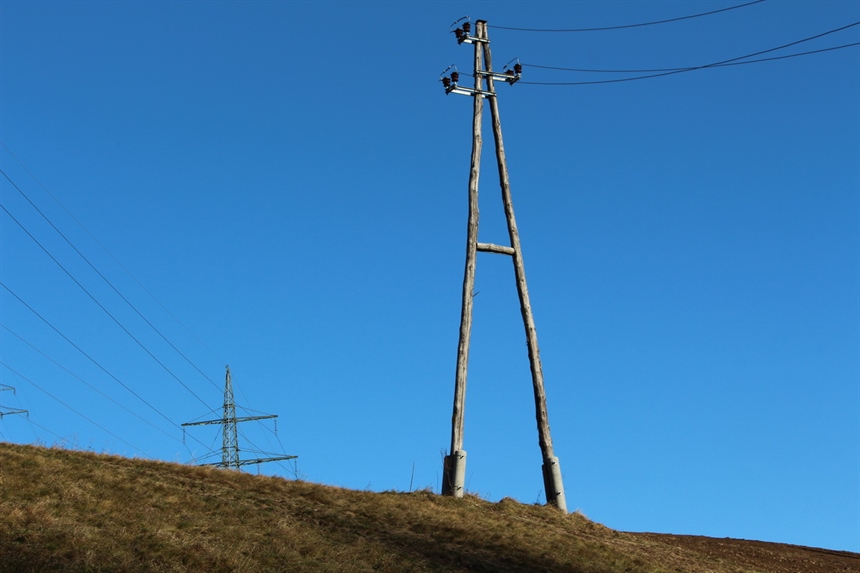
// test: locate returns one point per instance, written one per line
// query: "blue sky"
(281, 187)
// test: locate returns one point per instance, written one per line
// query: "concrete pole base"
(553, 484)
(454, 474)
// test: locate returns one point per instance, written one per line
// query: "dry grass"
(75, 511)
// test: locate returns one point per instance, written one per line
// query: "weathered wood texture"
(454, 466)
(554, 488)
(492, 248)
(458, 416)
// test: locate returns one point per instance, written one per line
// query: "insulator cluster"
(451, 81)
(463, 33)
(511, 75)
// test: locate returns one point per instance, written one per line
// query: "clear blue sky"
(289, 181)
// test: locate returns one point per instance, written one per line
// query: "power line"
(681, 70)
(211, 450)
(730, 61)
(103, 248)
(93, 298)
(96, 424)
(70, 373)
(625, 26)
(693, 68)
(134, 308)
(277, 437)
(56, 435)
(91, 359)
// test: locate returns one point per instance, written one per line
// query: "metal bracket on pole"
(463, 33)
(509, 76)
(451, 82)
(451, 85)
(468, 91)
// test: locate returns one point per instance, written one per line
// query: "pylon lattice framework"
(6, 410)
(230, 440)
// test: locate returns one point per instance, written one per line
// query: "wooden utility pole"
(455, 462)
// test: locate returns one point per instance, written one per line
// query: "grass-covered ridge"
(64, 510)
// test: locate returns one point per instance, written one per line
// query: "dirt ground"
(760, 556)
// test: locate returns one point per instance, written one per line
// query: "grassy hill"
(64, 510)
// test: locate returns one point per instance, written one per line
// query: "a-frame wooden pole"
(454, 470)
(551, 470)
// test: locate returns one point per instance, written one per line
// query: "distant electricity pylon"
(230, 443)
(7, 411)
(454, 470)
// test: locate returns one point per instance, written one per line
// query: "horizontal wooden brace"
(491, 248)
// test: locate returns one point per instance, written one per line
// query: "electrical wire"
(730, 61)
(210, 450)
(693, 68)
(211, 453)
(252, 411)
(128, 272)
(106, 311)
(212, 411)
(602, 29)
(709, 66)
(93, 360)
(257, 450)
(271, 431)
(58, 436)
(96, 424)
(93, 388)
(110, 284)
(294, 471)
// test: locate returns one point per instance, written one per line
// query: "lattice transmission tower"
(230, 441)
(6, 410)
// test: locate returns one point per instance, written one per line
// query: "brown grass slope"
(72, 511)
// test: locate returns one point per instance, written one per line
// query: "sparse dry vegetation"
(75, 511)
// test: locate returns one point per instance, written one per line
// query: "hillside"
(77, 511)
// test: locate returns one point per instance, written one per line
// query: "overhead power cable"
(675, 70)
(625, 26)
(56, 435)
(93, 388)
(101, 306)
(772, 58)
(90, 358)
(129, 273)
(260, 452)
(110, 284)
(728, 62)
(91, 421)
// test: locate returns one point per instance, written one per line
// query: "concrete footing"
(454, 474)
(553, 484)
